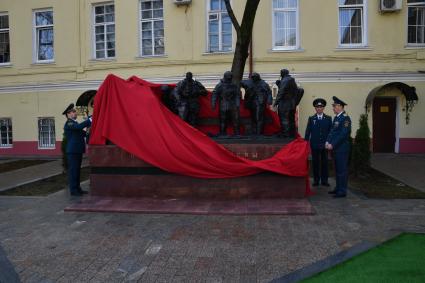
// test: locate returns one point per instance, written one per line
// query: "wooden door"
(384, 118)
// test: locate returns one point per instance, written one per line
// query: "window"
(46, 133)
(416, 22)
(152, 27)
(219, 27)
(4, 39)
(43, 32)
(285, 24)
(104, 31)
(352, 21)
(6, 132)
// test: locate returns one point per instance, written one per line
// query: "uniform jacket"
(75, 135)
(317, 131)
(228, 95)
(339, 135)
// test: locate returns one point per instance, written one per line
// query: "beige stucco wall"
(185, 48)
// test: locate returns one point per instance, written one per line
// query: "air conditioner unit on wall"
(390, 5)
(182, 2)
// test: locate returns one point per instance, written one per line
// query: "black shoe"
(83, 192)
(340, 195)
(76, 194)
(332, 192)
(326, 184)
(315, 184)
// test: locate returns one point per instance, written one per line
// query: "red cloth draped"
(131, 115)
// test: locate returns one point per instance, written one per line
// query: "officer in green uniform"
(75, 147)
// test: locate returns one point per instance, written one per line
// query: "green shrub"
(360, 159)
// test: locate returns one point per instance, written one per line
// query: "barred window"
(46, 133)
(44, 37)
(104, 31)
(352, 22)
(6, 132)
(285, 24)
(416, 22)
(4, 39)
(152, 27)
(219, 27)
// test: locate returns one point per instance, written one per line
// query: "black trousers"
(320, 165)
(74, 165)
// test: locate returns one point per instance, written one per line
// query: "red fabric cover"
(129, 114)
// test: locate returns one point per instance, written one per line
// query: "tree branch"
(232, 17)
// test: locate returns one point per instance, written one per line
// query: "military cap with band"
(68, 109)
(319, 102)
(338, 101)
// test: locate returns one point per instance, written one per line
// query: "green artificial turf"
(401, 259)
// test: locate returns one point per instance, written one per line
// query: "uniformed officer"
(339, 142)
(75, 147)
(316, 133)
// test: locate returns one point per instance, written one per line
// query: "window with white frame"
(416, 22)
(43, 34)
(104, 31)
(46, 133)
(219, 27)
(4, 39)
(285, 24)
(6, 132)
(352, 19)
(152, 27)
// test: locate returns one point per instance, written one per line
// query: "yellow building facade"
(369, 55)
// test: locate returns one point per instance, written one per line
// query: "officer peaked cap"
(68, 109)
(338, 101)
(319, 102)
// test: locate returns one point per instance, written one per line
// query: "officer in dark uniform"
(339, 142)
(317, 131)
(75, 147)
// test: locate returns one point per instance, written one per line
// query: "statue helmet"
(227, 76)
(189, 75)
(284, 72)
(256, 76)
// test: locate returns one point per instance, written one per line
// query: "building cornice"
(211, 80)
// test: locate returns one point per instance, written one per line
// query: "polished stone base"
(194, 206)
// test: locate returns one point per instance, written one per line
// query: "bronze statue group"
(322, 133)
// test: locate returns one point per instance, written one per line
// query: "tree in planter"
(243, 36)
(360, 159)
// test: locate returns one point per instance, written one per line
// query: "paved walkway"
(408, 168)
(31, 174)
(45, 244)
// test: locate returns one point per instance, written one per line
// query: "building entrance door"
(384, 118)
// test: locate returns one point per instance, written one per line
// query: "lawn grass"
(401, 259)
(46, 186)
(18, 164)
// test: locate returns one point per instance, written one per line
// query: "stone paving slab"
(46, 244)
(407, 168)
(194, 206)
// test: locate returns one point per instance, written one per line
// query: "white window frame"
(51, 134)
(7, 145)
(409, 5)
(153, 35)
(297, 33)
(35, 36)
(6, 30)
(364, 42)
(220, 37)
(105, 34)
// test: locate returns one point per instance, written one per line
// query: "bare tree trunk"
(244, 35)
